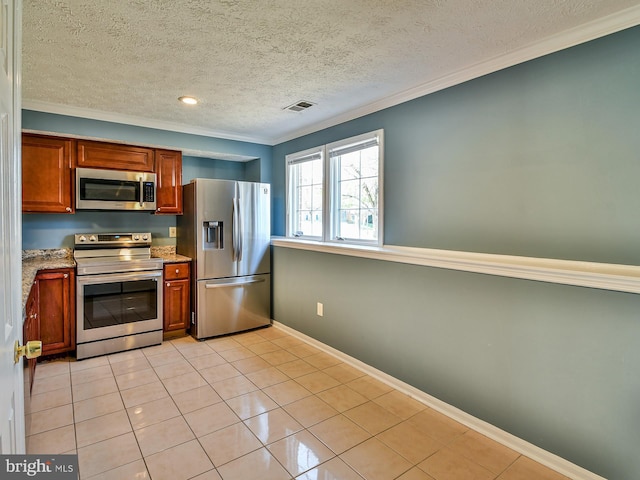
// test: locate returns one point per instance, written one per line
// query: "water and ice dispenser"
(213, 234)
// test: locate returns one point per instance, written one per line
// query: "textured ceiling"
(247, 60)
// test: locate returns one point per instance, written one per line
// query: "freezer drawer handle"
(237, 284)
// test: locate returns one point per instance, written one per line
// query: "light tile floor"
(258, 405)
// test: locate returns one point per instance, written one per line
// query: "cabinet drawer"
(176, 271)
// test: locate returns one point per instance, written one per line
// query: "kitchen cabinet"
(114, 156)
(56, 310)
(169, 182)
(176, 293)
(48, 171)
(31, 330)
(47, 175)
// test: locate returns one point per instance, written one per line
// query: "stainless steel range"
(119, 293)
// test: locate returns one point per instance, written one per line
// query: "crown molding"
(601, 27)
(72, 111)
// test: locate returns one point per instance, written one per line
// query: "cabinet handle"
(168, 284)
(66, 275)
(68, 209)
(177, 270)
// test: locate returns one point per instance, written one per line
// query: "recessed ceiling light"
(188, 100)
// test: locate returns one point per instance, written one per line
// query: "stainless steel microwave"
(115, 190)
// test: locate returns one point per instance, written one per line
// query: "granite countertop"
(168, 254)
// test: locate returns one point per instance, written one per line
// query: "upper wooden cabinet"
(113, 156)
(169, 182)
(48, 171)
(47, 174)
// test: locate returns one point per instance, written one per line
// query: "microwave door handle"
(141, 191)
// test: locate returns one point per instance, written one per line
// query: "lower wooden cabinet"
(177, 296)
(56, 310)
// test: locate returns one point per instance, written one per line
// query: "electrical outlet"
(320, 309)
(172, 232)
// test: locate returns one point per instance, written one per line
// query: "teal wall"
(55, 231)
(539, 160)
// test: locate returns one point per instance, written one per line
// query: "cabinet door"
(56, 308)
(113, 156)
(176, 304)
(46, 174)
(169, 178)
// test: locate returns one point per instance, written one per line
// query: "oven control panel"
(105, 240)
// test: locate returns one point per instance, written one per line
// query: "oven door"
(118, 304)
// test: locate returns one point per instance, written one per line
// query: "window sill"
(621, 278)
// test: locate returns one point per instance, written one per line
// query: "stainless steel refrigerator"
(226, 230)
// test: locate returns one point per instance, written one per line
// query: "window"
(305, 179)
(334, 192)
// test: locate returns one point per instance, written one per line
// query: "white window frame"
(330, 204)
(293, 159)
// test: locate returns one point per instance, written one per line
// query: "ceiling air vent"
(299, 106)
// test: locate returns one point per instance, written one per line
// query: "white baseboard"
(527, 449)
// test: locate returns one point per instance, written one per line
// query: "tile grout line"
(128, 419)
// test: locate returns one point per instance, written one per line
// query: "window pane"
(369, 162)
(306, 173)
(316, 223)
(369, 224)
(369, 193)
(350, 194)
(317, 198)
(349, 166)
(317, 169)
(349, 220)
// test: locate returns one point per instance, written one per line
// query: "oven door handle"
(118, 277)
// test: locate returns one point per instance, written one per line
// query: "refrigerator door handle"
(240, 232)
(235, 229)
(233, 284)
